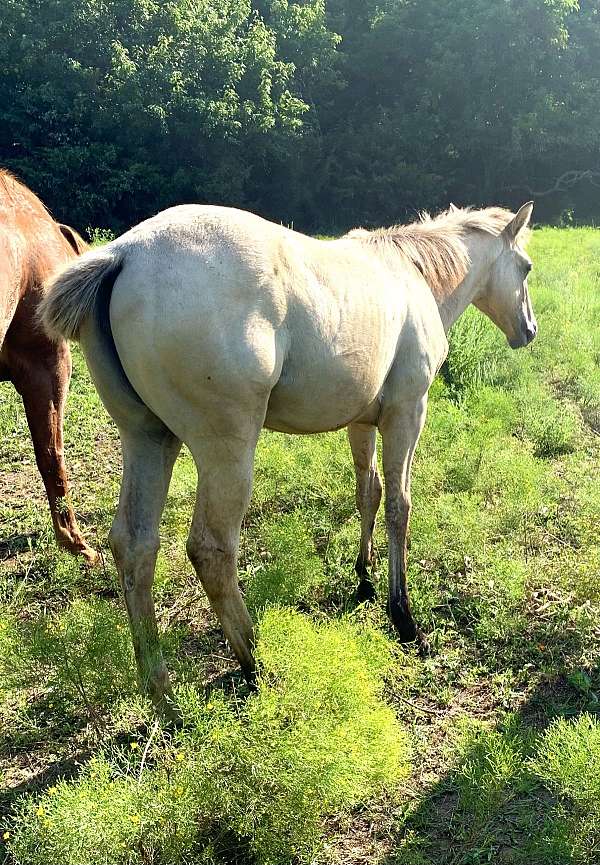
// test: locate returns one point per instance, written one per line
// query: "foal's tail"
(81, 295)
(78, 291)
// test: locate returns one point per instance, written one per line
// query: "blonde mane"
(436, 244)
(7, 181)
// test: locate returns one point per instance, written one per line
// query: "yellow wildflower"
(135, 818)
(41, 811)
(179, 757)
(133, 745)
(6, 836)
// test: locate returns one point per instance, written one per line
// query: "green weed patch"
(259, 776)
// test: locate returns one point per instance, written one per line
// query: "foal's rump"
(168, 316)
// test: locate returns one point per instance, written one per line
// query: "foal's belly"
(324, 396)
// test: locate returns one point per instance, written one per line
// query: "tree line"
(320, 113)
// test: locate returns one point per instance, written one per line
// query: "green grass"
(254, 776)
(353, 750)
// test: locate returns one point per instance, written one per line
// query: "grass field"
(354, 749)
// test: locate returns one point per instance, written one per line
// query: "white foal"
(206, 324)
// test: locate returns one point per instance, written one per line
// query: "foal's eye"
(527, 268)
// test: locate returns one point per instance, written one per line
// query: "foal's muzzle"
(528, 332)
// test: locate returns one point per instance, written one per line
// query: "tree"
(112, 109)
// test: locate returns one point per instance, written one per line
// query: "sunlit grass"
(257, 776)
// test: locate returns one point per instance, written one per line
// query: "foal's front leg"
(400, 428)
(363, 442)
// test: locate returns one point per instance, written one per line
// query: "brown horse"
(32, 247)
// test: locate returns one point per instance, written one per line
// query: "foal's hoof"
(249, 674)
(403, 622)
(365, 591)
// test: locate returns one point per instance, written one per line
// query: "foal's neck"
(452, 301)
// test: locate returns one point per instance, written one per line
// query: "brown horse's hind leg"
(148, 458)
(43, 384)
(363, 442)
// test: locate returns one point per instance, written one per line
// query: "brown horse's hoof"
(74, 544)
(91, 557)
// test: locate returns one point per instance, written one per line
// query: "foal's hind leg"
(225, 466)
(363, 442)
(148, 457)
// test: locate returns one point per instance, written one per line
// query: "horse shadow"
(17, 544)
(484, 808)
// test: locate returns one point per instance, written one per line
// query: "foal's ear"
(519, 222)
(73, 238)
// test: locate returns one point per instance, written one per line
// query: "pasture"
(354, 749)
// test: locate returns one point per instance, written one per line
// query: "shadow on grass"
(491, 806)
(19, 543)
(38, 782)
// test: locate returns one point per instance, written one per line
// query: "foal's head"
(504, 296)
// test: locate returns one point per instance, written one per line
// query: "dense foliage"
(257, 775)
(324, 113)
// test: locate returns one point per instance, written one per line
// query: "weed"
(315, 739)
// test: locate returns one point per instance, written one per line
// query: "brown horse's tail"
(74, 294)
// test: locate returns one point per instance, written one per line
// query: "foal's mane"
(8, 181)
(436, 244)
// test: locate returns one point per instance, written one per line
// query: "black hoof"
(365, 591)
(249, 674)
(403, 622)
